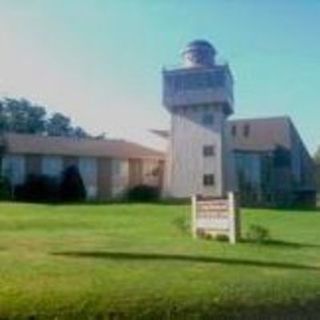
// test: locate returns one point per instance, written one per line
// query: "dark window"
(246, 130)
(207, 119)
(208, 179)
(208, 151)
(234, 130)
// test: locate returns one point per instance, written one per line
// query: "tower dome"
(199, 53)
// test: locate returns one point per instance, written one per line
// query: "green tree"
(59, 125)
(72, 188)
(78, 132)
(22, 116)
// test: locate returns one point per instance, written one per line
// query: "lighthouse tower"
(199, 97)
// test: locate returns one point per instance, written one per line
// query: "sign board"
(216, 216)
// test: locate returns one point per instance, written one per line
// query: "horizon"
(108, 61)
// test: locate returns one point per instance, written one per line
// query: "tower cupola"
(198, 53)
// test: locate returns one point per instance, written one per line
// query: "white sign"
(215, 216)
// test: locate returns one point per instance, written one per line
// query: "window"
(88, 169)
(196, 80)
(208, 151)
(13, 168)
(52, 166)
(207, 119)
(234, 130)
(246, 130)
(208, 180)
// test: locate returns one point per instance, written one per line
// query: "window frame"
(208, 180)
(246, 130)
(208, 150)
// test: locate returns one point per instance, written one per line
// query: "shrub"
(258, 234)
(72, 188)
(38, 188)
(222, 238)
(143, 193)
(5, 189)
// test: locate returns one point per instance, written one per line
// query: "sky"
(100, 61)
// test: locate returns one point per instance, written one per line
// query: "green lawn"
(139, 261)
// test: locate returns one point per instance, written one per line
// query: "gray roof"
(63, 146)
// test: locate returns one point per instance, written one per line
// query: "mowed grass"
(135, 261)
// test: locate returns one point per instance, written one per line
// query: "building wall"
(119, 177)
(135, 172)
(151, 173)
(33, 165)
(188, 164)
(249, 172)
(104, 179)
(14, 168)
(88, 168)
(302, 163)
(146, 172)
(52, 166)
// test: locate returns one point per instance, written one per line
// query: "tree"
(22, 116)
(78, 132)
(59, 125)
(72, 188)
(36, 120)
(317, 156)
(16, 115)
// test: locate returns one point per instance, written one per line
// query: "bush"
(143, 193)
(38, 188)
(72, 188)
(5, 189)
(222, 237)
(258, 234)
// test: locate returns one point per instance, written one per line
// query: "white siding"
(188, 165)
(88, 171)
(14, 168)
(52, 166)
(120, 177)
(151, 172)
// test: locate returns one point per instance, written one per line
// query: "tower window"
(208, 180)
(208, 151)
(234, 130)
(246, 130)
(208, 119)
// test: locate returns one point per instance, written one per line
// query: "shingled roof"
(62, 146)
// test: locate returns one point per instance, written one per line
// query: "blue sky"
(100, 61)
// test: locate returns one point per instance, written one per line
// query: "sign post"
(216, 217)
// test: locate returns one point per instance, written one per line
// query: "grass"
(140, 262)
